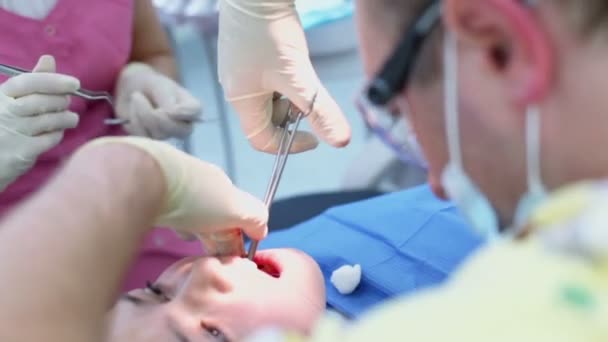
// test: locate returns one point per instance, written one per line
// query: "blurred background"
(365, 164)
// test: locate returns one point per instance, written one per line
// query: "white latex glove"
(155, 105)
(201, 200)
(262, 50)
(33, 116)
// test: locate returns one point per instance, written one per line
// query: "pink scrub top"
(90, 40)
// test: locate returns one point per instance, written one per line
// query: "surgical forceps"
(290, 128)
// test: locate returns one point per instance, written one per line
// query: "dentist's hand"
(33, 116)
(200, 198)
(262, 50)
(155, 105)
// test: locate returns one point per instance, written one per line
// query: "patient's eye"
(214, 332)
(156, 290)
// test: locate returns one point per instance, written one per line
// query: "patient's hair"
(589, 18)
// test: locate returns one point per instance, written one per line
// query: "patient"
(210, 299)
(67, 291)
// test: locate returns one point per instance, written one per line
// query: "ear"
(511, 38)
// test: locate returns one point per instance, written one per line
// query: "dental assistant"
(117, 46)
(507, 100)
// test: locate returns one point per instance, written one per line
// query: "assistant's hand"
(155, 105)
(33, 116)
(200, 198)
(262, 50)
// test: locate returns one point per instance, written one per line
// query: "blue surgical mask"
(461, 189)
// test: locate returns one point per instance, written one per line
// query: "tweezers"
(290, 128)
(10, 70)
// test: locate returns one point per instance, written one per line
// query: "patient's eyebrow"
(135, 300)
(132, 299)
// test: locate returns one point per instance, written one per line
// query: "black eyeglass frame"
(397, 69)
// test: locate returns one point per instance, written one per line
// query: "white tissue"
(346, 278)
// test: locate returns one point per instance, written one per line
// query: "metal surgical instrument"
(91, 95)
(10, 70)
(86, 94)
(290, 128)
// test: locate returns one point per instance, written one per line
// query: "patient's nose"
(207, 275)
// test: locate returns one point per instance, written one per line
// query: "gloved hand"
(155, 105)
(262, 50)
(201, 200)
(33, 116)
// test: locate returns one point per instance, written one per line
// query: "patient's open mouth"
(267, 265)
